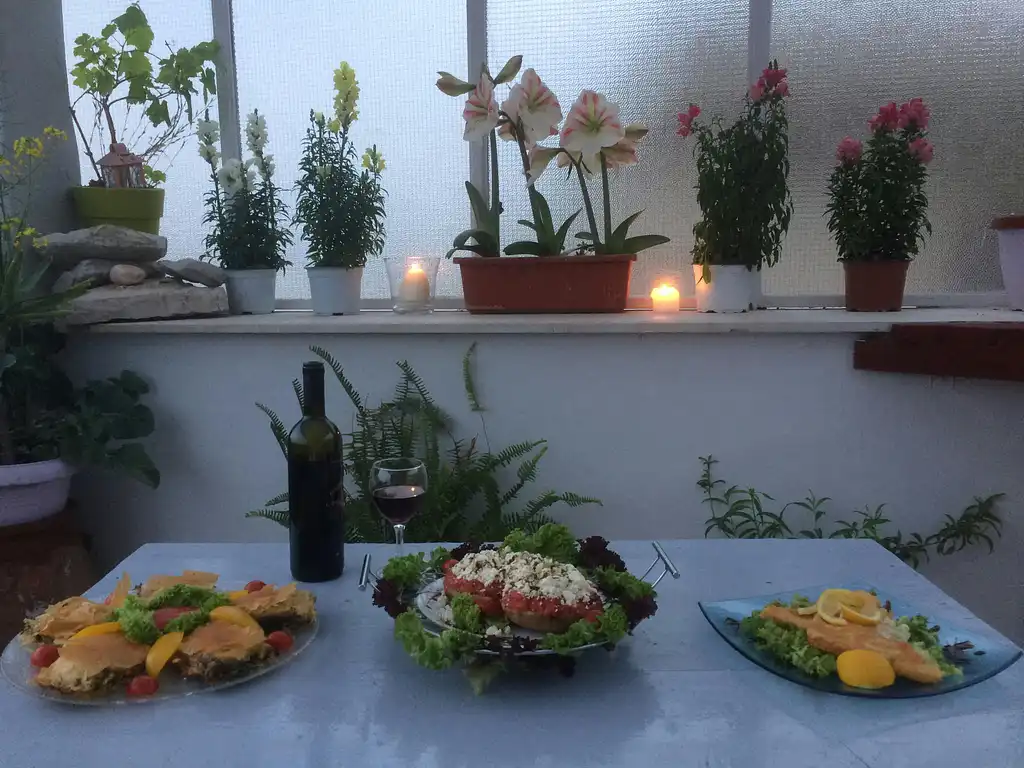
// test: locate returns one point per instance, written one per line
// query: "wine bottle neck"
(313, 392)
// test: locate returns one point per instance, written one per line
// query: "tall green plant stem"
(526, 171)
(607, 199)
(495, 202)
(591, 219)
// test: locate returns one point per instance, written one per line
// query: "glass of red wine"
(398, 489)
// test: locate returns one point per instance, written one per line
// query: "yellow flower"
(346, 95)
(334, 125)
(373, 160)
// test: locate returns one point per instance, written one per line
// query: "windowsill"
(633, 322)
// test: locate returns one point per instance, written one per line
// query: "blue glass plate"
(989, 656)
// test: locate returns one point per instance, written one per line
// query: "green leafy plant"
(742, 513)
(876, 201)
(123, 77)
(340, 208)
(466, 498)
(742, 173)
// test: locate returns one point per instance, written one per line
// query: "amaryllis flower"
(686, 120)
(540, 159)
(914, 115)
(481, 110)
(849, 151)
(922, 149)
(593, 123)
(887, 119)
(535, 105)
(451, 85)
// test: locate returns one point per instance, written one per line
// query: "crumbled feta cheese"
(529, 574)
(483, 566)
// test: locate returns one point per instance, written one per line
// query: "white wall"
(627, 417)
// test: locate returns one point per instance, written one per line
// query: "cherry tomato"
(280, 641)
(254, 586)
(161, 616)
(44, 656)
(143, 685)
(107, 599)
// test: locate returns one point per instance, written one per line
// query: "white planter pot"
(33, 491)
(335, 290)
(731, 288)
(1011, 259)
(251, 291)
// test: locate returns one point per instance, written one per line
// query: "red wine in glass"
(398, 504)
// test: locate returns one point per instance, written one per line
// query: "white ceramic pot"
(335, 290)
(730, 288)
(1011, 259)
(33, 491)
(251, 291)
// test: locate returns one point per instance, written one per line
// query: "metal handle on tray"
(662, 556)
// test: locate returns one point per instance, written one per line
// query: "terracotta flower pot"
(875, 286)
(552, 284)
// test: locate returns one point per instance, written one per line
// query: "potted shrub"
(130, 85)
(742, 191)
(340, 206)
(877, 206)
(249, 222)
(1011, 257)
(592, 140)
(47, 428)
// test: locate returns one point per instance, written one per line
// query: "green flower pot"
(138, 209)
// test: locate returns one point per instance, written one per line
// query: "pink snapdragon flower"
(772, 77)
(887, 119)
(782, 89)
(756, 92)
(922, 149)
(686, 120)
(849, 151)
(914, 115)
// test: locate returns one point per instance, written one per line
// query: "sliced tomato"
(487, 597)
(162, 616)
(44, 656)
(255, 586)
(552, 607)
(143, 685)
(280, 641)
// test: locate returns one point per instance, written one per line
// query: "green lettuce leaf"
(406, 571)
(788, 644)
(466, 614)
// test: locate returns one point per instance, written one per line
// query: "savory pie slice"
(93, 663)
(156, 584)
(61, 620)
(221, 649)
(279, 606)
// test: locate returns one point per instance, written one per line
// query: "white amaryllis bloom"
(623, 152)
(256, 132)
(481, 110)
(540, 159)
(535, 105)
(232, 176)
(593, 124)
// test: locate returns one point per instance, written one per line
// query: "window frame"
(759, 41)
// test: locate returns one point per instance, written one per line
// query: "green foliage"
(465, 498)
(341, 209)
(788, 644)
(405, 572)
(742, 173)
(550, 241)
(119, 67)
(610, 627)
(550, 540)
(466, 614)
(136, 620)
(741, 513)
(485, 233)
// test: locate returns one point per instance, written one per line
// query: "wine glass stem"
(400, 538)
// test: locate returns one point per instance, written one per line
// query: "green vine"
(741, 513)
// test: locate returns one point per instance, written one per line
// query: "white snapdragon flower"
(256, 132)
(265, 166)
(323, 171)
(209, 153)
(232, 176)
(319, 119)
(208, 131)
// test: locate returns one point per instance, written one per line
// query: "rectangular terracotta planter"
(546, 284)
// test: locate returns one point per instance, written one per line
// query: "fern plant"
(465, 499)
(741, 513)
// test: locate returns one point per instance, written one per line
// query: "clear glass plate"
(14, 663)
(988, 657)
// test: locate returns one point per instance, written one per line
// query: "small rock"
(117, 244)
(127, 274)
(153, 300)
(97, 270)
(193, 271)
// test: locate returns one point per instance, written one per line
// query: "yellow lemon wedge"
(161, 652)
(234, 615)
(830, 605)
(862, 608)
(865, 669)
(106, 628)
(232, 596)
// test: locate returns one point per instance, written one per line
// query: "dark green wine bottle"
(316, 528)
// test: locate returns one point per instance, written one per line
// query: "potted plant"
(1011, 257)
(249, 232)
(592, 140)
(46, 426)
(340, 206)
(877, 206)
(131, 86)
(742, 191)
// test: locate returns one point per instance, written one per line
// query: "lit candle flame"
(415, 269)
(665, 298)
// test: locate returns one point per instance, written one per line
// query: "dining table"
(673, 694)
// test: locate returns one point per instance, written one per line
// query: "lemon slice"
(862, 608)
(106, 628)
(865, 669)
(830, 605)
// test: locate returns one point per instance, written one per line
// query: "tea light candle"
(415, 286)
(665, 298)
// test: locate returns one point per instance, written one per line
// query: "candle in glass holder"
(415, 288)
(665, 298)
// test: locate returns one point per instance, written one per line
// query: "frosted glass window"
(286, 53)
(650, 57)
(963, 57)
(181, 23)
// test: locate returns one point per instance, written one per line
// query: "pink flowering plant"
(592, 140)
(742, 173)
(877, 205)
